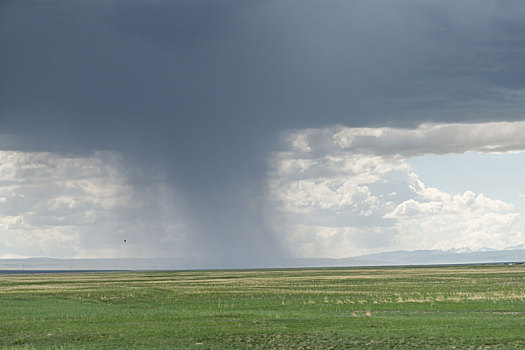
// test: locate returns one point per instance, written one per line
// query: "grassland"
(426, 307)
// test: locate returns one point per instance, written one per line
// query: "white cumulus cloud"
(62, 206)
(347, 191)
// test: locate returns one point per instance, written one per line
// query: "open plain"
(340, 308)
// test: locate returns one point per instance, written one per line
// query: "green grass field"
(421, 307)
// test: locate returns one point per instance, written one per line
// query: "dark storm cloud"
(205, 87)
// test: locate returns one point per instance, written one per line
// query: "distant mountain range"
(431, 257)
(416, 257)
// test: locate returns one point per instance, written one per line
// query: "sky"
(249, 131)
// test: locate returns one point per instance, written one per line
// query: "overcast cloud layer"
(199, 92)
